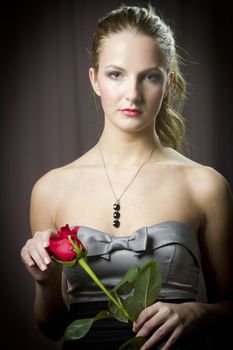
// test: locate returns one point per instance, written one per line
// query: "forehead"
(129, 48)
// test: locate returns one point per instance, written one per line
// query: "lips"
(131, 112)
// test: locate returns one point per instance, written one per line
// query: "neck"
(128, 148)
(123, 151)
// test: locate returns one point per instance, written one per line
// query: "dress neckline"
(148, 227)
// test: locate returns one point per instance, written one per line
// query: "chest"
(146, 201)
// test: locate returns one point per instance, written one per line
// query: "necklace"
(116, 205)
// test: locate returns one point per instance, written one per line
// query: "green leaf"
(79, 328)
(133, 307)
(115, 311)
(126, 284)
(147, 284)
(133, 344)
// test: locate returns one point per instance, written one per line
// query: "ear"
(93, 80)
(168, 83)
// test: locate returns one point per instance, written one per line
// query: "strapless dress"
(171, 243)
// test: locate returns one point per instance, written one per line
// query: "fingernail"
(47, 261)
(45, 244)
(43, 267)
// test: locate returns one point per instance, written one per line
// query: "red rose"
(65, 246)
(67, 249)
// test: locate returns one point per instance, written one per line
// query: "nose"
(133, 90)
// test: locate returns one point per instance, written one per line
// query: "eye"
(153, 77)
(114, 74)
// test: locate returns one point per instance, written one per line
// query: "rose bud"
(65, 247)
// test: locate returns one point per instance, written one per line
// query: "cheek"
(108, 94)
(155, 97)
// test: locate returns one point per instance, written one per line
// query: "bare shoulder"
(204, 180)
(51, 189)
(208, 184)
(208, 187)
(56, 180)
(212, 194)
(43, 200)
(214, 197)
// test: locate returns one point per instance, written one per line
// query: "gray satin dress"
(171, 243)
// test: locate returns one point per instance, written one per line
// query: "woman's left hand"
(167, 320)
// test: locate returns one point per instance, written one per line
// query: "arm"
(50, 307)
(214, 200)
(216, 243)
(216, 239)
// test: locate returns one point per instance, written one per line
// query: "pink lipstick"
(131, 112)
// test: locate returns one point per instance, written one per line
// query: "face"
(131, 80)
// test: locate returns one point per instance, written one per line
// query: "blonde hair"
(170, 125)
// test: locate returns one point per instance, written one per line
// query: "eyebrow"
(149, 69)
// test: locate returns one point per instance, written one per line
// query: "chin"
(134, 124)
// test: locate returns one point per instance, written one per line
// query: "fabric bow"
(102, 244)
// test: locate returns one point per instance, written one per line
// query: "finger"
(158, 311)
(38, 259)
(26, 258)
(44, 236)
(163, 331)
(145, 315)
(172, 339)
(40, 242)
(150, 325)
(34, 251)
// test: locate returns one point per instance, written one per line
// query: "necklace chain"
(116, 205)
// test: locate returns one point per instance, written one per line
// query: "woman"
(184, 209)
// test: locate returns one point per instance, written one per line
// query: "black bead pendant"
(116, 214)
(116, 223)
(116, 206)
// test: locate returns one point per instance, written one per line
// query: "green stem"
(88, 270)
(82, 262)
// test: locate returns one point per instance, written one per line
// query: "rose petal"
(61, 247)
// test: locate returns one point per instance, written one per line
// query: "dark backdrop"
(49, 117)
